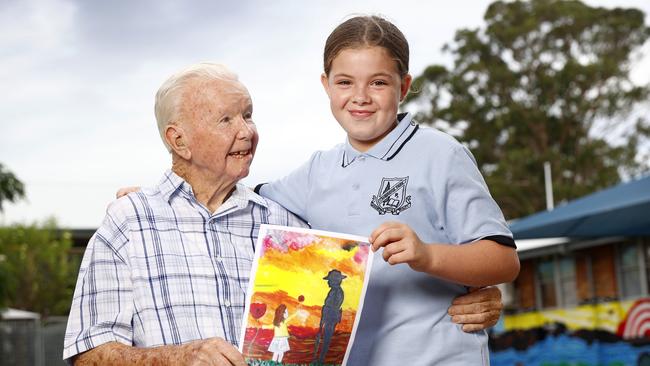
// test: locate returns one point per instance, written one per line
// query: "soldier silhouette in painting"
(330, 313)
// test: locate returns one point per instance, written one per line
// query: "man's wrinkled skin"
(206, 352)
(478, 310)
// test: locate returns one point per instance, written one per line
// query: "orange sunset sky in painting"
(292, 264)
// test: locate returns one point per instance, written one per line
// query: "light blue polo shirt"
(422, 177)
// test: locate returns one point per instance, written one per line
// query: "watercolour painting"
(305, 297)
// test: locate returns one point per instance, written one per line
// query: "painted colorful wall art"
(305, 297)
(615, 333)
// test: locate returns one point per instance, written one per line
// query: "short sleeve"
(283, 217)
(469, 211)
(292, 191)
(102, 305)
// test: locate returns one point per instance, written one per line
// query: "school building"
(582, 295)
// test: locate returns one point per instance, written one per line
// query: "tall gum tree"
(543, 80)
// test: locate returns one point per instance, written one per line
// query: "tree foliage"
(36, 270)
(11, 188)
(543, 80)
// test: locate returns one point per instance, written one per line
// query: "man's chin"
(243, 173)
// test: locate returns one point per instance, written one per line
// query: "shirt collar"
(389, 146)
(171, 184)
(240, 198)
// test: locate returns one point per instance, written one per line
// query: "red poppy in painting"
(301, 298)
(258, 310)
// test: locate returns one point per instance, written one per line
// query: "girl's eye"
(344, 82)
(379, 83)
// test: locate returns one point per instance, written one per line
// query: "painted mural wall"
(606, 334)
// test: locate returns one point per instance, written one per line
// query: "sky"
(78, 79)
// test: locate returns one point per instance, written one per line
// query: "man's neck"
(210, 191)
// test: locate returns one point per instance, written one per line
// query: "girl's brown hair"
(367, 31)
(279, 315)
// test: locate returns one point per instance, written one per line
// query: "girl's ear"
(177, 139)
(325, 81)
(406, 85)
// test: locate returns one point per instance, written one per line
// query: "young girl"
(415, 190)
(280, 342)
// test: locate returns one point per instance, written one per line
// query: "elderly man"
(163, 279)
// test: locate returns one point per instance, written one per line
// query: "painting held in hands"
(305, 297)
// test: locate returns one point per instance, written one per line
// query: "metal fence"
(32, 342)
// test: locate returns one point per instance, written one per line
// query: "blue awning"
(622, 210)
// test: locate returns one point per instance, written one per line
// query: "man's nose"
(246, 129)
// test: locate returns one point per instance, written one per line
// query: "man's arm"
(477, 310)
(212, 351)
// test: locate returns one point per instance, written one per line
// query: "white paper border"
(264, 229)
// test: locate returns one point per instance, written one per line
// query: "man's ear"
(177, 139)
(325, 81)
(406, 85)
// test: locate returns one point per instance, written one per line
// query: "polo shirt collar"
(171, 184)
(389, 146)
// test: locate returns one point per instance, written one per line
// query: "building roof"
(622, 210)
(16, 314)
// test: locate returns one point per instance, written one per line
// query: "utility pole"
(548, 183)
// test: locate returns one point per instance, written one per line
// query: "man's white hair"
(170, 93)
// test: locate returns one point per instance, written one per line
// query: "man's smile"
(240, 154)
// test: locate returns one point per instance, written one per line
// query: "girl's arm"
(480, 263)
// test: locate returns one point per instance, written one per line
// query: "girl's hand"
(401, 245)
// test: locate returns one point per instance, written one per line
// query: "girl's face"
(365, 89)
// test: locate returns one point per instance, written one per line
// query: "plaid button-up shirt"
(162, 269)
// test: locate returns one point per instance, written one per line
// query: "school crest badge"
(391, 196)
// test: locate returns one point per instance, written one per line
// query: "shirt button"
(362, 158)
(226, 303)
(219, 259)
(355, 186)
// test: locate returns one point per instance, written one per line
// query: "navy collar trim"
(387, 148)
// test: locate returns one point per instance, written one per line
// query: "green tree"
(543, 80)
(11, 188)
(38, 272)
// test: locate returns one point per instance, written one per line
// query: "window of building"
(629, 270)
(567, 283)
(546, 281)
